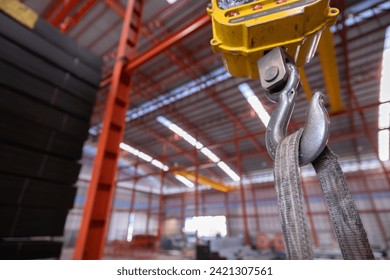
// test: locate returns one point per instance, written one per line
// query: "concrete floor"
(137, 254)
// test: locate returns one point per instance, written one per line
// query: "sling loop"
(345, 218)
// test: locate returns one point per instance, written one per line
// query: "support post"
(161, 200)
(203, 201)
(227, 210)
(148, 213)
(196, 188)
(134, 190)
(182, 210)
(92, 236)
(255, 206)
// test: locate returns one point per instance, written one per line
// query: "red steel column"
(116, 6)
(134, 191)
(196, 187)
(255, 205)
(174, 38)
(92, 236)
(148, 212)
(182, 210)
(78, 16)
(203, 204)
(161, 200)
(227, 215)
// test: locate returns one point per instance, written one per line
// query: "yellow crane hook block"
(244, 30)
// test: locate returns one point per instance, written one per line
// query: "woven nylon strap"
(349, 229)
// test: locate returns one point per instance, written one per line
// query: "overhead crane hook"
(277, 71)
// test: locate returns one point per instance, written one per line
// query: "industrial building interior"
(191, 177)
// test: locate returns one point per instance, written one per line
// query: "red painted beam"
(160, 15)
(78, 16)
(64, 12)
(117, 7)
(51, 9)
(161, 215)
(168, 42)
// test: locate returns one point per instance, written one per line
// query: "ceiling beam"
(168, 42)
(64, 12)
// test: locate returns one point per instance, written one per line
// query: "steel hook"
(316, 131)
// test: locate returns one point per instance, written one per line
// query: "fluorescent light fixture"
(194, 142)
(228, 171)
(164, 121)
(179, 131)
(252, 99)
(183, 134)
(185, 181)
(129, 149)
(384, 108)
(143, 156)
(171, 1)
(210, 154)
(159, 164)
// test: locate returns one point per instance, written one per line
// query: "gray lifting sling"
(348, 227)
(307, 145)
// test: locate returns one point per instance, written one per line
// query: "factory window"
(384, 100)
(206, 226)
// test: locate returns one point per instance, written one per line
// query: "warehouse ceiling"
(188, 85)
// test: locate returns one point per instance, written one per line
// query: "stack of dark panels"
(48, 86)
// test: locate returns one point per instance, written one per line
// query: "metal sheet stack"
(48, 86)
